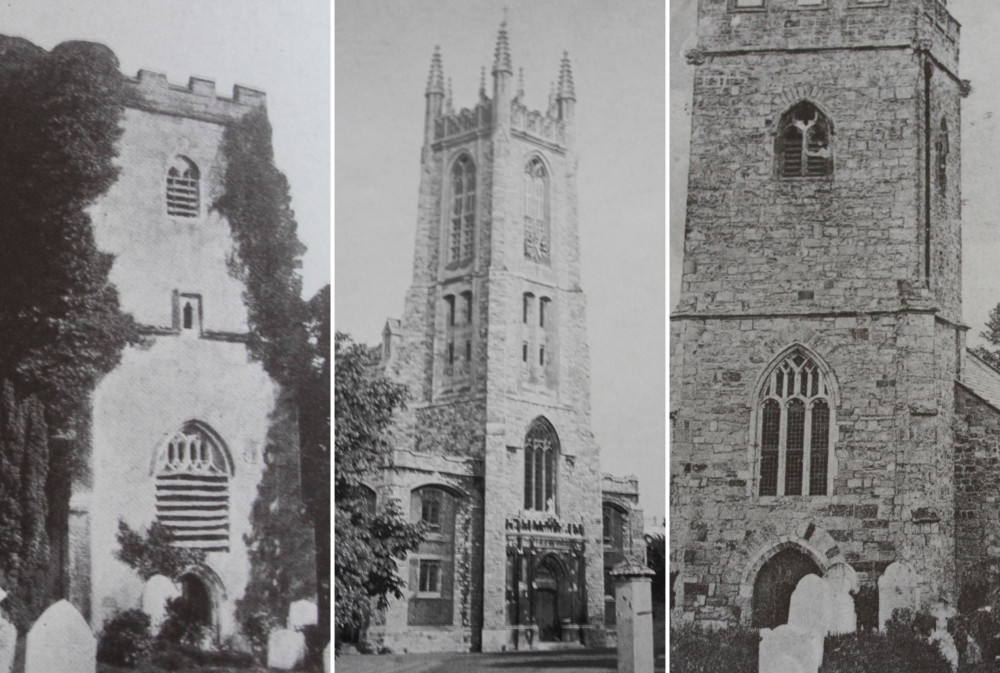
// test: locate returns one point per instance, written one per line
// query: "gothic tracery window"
(803, 143)
(463, 211)
(192, 489)
(536, 212)
(541, 454)
(183, 188)
(794, 429)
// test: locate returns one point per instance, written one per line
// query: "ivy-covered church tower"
(495, 452)
(818, 338)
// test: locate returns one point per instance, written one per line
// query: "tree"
(314, 438)
(368, 541)
(992, 335)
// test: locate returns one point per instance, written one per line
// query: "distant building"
(825, 409)
(495, 452)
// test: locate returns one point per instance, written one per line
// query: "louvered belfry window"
(192, 489)
(183, 188)
(794, 426)
(803, 144)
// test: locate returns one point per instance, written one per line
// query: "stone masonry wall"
(887, 452)
(977, 486)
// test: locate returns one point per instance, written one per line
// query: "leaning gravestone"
(8, 644)
(60, 641)
(302, 613)
(790, 649)
(899, 587)
(809, 607)
(842, 581)
(155, 594)
(285, 649)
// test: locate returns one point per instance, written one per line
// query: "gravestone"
(940, 637)
(60, 641)
(8, 645)
(843, 582)
(790, 649)
(899, 587)
(286, 649)
(155, 594)
(810, 605)
(302, 613)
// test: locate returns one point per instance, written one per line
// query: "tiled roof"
(983, 379)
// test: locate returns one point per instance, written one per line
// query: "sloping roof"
(982, 379)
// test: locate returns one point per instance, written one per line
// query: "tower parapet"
(152, 92)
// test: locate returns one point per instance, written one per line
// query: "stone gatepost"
(634, 615)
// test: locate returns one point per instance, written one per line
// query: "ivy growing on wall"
(61, 328)
(257, 204)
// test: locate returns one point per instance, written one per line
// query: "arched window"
(463, 210)
(794, 428)
(536, 212)
(183, 188)
(541, 464)
(803, 143)
(192, 488)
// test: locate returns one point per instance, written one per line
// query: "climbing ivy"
(61, 328)
(257, 204)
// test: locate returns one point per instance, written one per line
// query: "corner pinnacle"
(501, 58)
(566, 90)
(435, 80)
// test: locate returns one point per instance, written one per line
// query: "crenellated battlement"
(152, 92)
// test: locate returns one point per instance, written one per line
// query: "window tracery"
(794, 429)
(183, 188)
(463, 210)
(536, 212)
(541, 453)
(803, 143)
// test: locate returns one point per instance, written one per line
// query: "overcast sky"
(383, 50)
(980, 61)
(280, 47)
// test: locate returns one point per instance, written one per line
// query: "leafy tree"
(656, 559)
(991, 354)
(367, 544)
(153, 552)
(314, 434)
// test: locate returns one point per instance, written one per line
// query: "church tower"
(495, 452)
(817, 340)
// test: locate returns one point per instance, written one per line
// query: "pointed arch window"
(803, 143)
(183, 188)
(192, 473)
(794, 429)
(541, 454)
(536, 212)
(463, 211)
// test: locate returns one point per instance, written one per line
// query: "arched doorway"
(196, 609)
(547, 585)
(777, 579)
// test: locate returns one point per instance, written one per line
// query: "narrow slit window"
(451, 352)
(524, 352)
(468, 351)
(467, 307)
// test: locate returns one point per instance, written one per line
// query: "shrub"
(696, 650)
(902, 648)
(183, 624)
(257, 627)
(125, 640)
(172, 657)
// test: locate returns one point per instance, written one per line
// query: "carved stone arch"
(792, 97)
(215, 588)
(458, 154)
(541, 466)
(810, 540)
(784, 352)
(451, 490)
(532, 155)
(189, 426)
